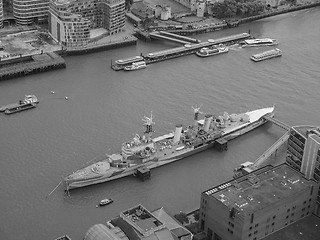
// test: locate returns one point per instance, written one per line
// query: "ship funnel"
(177, 133)
(207, 122)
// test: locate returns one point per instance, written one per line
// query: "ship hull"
(157, 162)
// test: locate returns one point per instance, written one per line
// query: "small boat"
(206, 52)
(29, 101)
(257, 42)
(136, 66)
(106, 201)
(266, 55)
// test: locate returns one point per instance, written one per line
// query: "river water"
(105, 108)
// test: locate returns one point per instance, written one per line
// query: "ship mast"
(148, 123)
(196, 111)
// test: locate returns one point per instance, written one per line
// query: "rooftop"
(302, 130)
(304, 229)
(142, 220)
(261, 188)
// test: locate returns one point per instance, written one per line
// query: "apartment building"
(303, 152)
(258, 204)
(70, 21)
(28, 12)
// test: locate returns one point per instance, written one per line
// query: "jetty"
(187, 49)
(23, 65)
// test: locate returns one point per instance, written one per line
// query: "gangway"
(157, 35)
(271, 150)
(278, 123)
(173, 35)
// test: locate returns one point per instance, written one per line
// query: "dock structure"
(173, 37)
(30, 64)
(187, 49)
(278, 123)
(273, 149)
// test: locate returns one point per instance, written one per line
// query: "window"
(256, 225)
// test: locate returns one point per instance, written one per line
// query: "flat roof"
(258, 190)
(302, 130)
(142, 220)
(305, 228)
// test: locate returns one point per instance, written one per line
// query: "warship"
(146, 151)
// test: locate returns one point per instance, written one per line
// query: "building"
(256, 205)
(163, 12)
(303, 152)
(28, 12)
(70, 21)
(138, 223)
(67, 28)
(1, 14)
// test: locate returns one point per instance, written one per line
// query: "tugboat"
(29, 101)
(206, 52)
(149, 152)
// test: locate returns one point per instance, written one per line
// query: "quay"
(187, 49)
(29, 64)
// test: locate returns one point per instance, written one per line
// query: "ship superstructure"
(146, 151)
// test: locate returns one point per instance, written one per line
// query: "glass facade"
(27, 12)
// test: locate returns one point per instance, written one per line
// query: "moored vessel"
(266, 55)
(136, 66)
(211, 51)
(259, 42)
(29, 101)
(146, 151)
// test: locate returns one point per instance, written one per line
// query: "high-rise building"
(254, 206)
(69, 29)
(303, 152)
(28, 12)
(70, 21)
(1, 14)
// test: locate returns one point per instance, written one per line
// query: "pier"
(187, 49)
(30, 64)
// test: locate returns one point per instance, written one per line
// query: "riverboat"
(136, 66)
(266, 55)
(258, 42)
(106, 201)
(211, 51)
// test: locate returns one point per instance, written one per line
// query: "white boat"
(206, 52)
(106, 201)
(266, 55)
(257, 42)
(136, 66)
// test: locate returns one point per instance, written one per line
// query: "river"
(105, 108)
